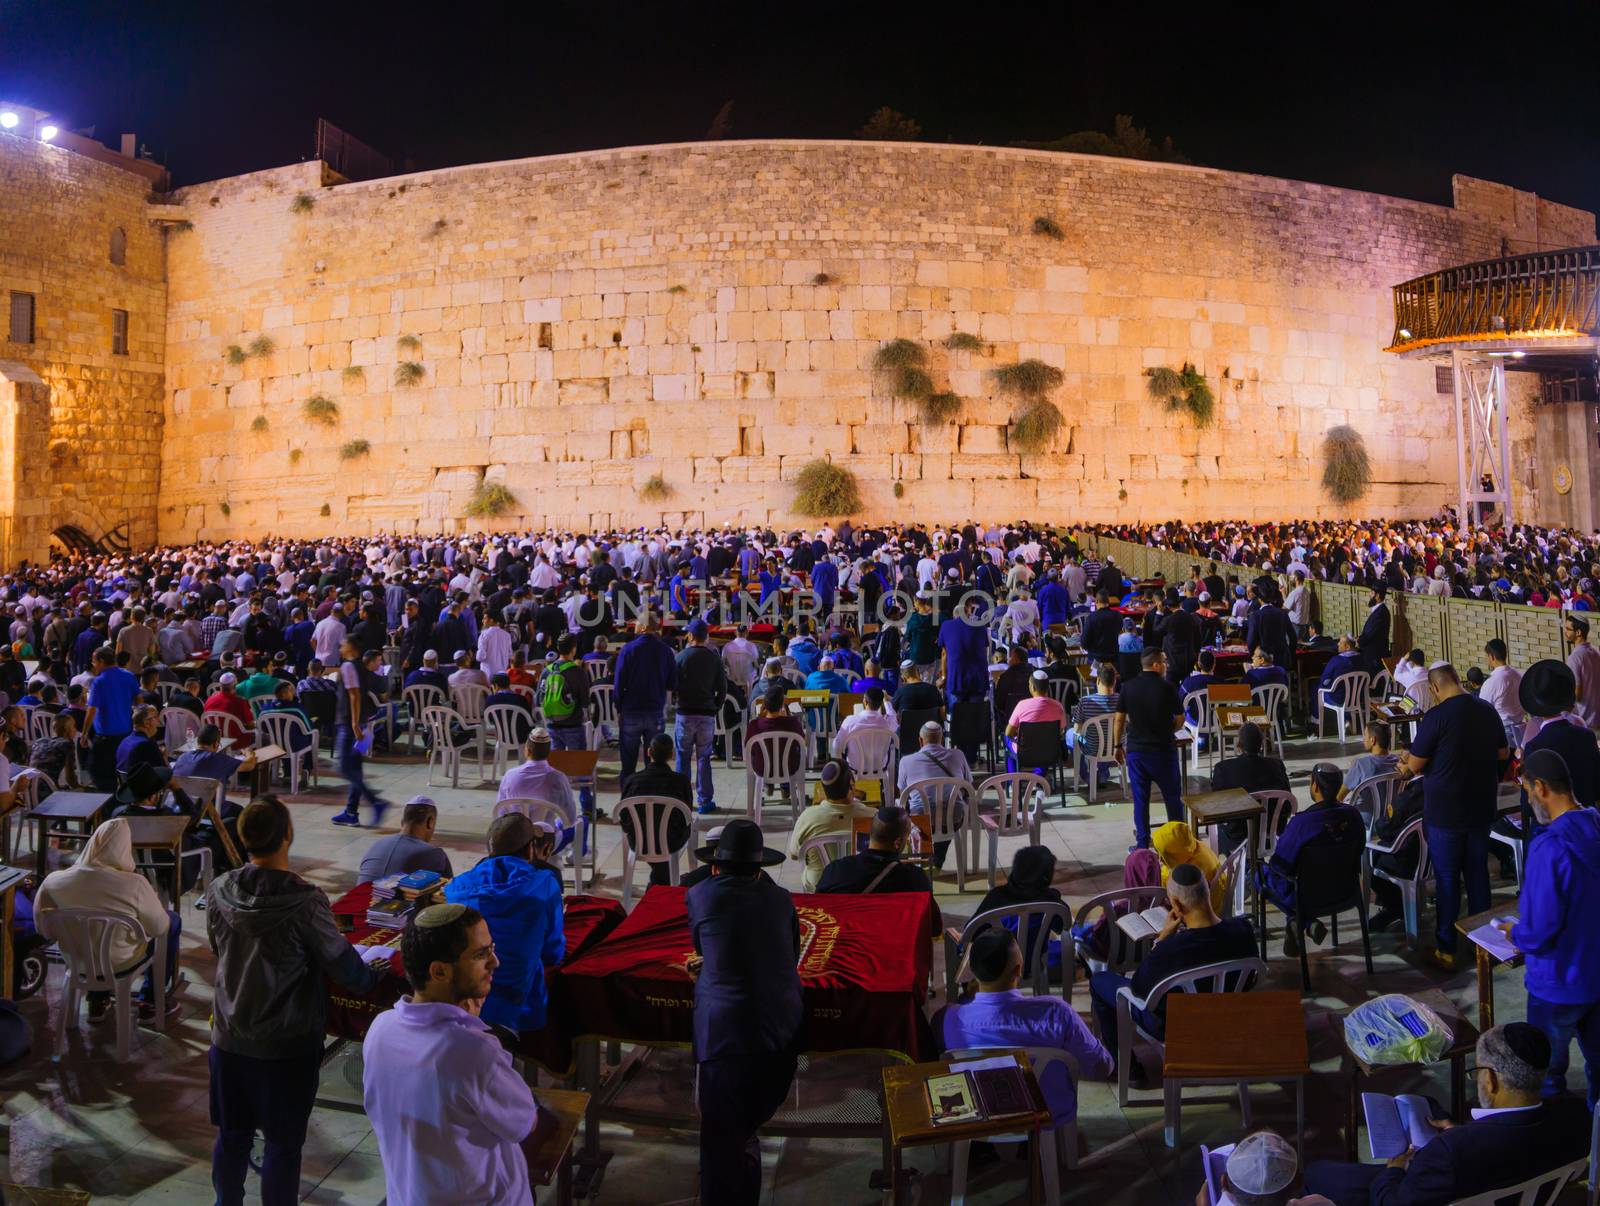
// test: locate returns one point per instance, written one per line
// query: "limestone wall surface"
(709, 313)
(104, 409)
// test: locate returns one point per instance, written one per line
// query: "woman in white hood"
(104, 878)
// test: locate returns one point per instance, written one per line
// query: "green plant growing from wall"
(354, 372)
(408, 343)
(822, 278)
(1185, 390)
(1048, 227)
(180, 226)
(655, 489)
(1035, 426)
(678, 289)
(440, 225)
(261, 346)
(825, 489)
(353, 449)
(225, 509)
(1346, 470)
(303, 203)
(1038, 420)
(295, 454)
(322, 410)
(899, 489)
(490, 499)
(326, 510)
(1027, 378)
(235, 354)
(899, 354)
(407, 373)
(259, 423)
(941, 407)
(961, 341)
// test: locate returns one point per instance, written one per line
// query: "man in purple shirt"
(1001, 1016)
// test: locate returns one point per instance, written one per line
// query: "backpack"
(556, 701)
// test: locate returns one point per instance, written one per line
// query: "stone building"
(309, 355)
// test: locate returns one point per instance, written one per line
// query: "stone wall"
(97, 466)
(1527, 221)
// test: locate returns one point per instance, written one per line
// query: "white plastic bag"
(1394, 1029)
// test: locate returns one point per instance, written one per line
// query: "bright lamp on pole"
(46, 133)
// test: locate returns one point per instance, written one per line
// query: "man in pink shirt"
(1039, 708)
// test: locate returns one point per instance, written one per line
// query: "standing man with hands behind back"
(1149, 711)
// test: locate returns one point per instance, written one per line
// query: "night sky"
(1352, 96)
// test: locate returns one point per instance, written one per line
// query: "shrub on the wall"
(1048, 228)
(353, 449)
(259, 423)
(295, 454)
(354, 372)
(261, 345)
(235, 354)
(322, 410)
(407, 373)
(961, 341)
(940, 407)
(655, 489)
(824, 489)
(1027, 378)
(899, 354)
(1346, 470)
(225, 509)
(1185, 390)
(1035, 426)
(490, 499)
(408, 343)
(303, 203)
(1039, 419)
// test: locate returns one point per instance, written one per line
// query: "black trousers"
(737, 1095)
(103, 760)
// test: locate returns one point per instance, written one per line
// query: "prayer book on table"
(1396, 1123)
(1494, 940)
(1001, 1091)
(1142, 926)
(951, 1098)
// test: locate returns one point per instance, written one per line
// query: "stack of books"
(978, 1089)
(396, 897)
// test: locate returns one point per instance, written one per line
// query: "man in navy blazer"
(1374, 639)
(1513, 1138)
(748, 1013)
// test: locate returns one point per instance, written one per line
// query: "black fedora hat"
(142, 783)
(1548, 688)
(741, 843)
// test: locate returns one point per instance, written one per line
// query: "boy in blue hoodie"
(522, 905)
(1560, 899)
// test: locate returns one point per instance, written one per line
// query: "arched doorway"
(74, 542)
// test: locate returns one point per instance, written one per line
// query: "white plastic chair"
(1373, 798)
(179, 726)
(227, 724)
(1273, 698)
(1351, 714)
(281, 729)
(1034, 925)
(1087, 766)
(783, 755)
(647, 843)
(1198, 704)
(554, 814)
(1235, 975)
(826, 846)
(1544, 1188)
(41, 724)
(1382, 685)
(950, 804)
(1019, 808)
(468, 700)
(417, 699)
(1057, 1144)
(84, 938)
(439, 720)
(602, 712)
(506, 724)
(872, 754)
(1121, 953)
(29, 784)
(1411, 889)
(723, 729)
(1232, 872)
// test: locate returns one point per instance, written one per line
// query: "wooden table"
(548, 1147)
(1463, 1041)
(871, 791)
(861, 831)
(575, 764)
(1234, 1038)
(261, 773)
(10, 879)
(1486, 962)
(1401, 720)
(907, 1119)
(1229, 804)
(162, 833)
(79, 808)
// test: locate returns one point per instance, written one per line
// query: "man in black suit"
(1515, 1136)
(1251, 770)
(1181, 633)
(1101, 628)
(749, 1018)
(1271, 630)
(1373, 643)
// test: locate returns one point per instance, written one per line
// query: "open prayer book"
(1494, 940)
(1141, 926)
(1215, 1162)
(1396, 1123)
(980, 1088)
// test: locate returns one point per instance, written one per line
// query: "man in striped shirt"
(1100, 702)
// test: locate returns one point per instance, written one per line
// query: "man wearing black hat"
(1514, 1137)
(1547, 693)
(1373, 643)
(1181, 633)
(749, 1018)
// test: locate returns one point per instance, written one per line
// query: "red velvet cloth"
(864, 968)
(586, 919)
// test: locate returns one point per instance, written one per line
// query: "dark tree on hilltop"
(889, 125)
(722, 123)
(1126, 141)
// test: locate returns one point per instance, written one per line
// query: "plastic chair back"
(468, 700)
(1019, 799)
(227, 723)
(1039, 744)
(1281, 805)
(1034, 925)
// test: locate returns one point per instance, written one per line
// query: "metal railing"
(1542, 294)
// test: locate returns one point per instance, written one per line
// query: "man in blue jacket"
(1556, 932)
(646, 671)
(749, 1017)
(1054, 604)
(522, 905)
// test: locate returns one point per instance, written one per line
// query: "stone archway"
(24, 466)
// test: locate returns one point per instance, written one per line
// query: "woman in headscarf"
(1175, 843)
(1032, 870)
(103, 878)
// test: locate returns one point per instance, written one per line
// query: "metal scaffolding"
(1483, 447)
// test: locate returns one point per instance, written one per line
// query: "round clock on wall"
(1563, 479)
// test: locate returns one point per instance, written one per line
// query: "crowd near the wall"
(959, 647)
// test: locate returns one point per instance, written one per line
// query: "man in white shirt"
(1297, 603)
(1022, 616)
(465, 672)
(1411, 676)
(448, 1107)
(1500, 691)
(741, 657)
(494, 646)
(873, 714)
(328, 635)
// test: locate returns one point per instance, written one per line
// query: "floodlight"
(9, 120)
(1404, 334)
(46, 133)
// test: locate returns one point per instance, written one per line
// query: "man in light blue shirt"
(1001, 1016)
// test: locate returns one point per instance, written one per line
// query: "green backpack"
(557, 702)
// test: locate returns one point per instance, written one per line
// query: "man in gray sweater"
(275, 939)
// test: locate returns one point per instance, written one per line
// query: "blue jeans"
(1563, 1023)
(350, 764)
(693, 738)
(1166, 772)
(571, 737)
(1457, 854)
(636, 728)
(1103, 988)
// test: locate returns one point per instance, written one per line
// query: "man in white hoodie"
(104, 878)
(448, 1108)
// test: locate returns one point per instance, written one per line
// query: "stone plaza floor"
(139, 1132)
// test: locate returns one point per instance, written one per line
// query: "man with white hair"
(933, 760)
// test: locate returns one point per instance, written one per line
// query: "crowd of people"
(956, 639)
